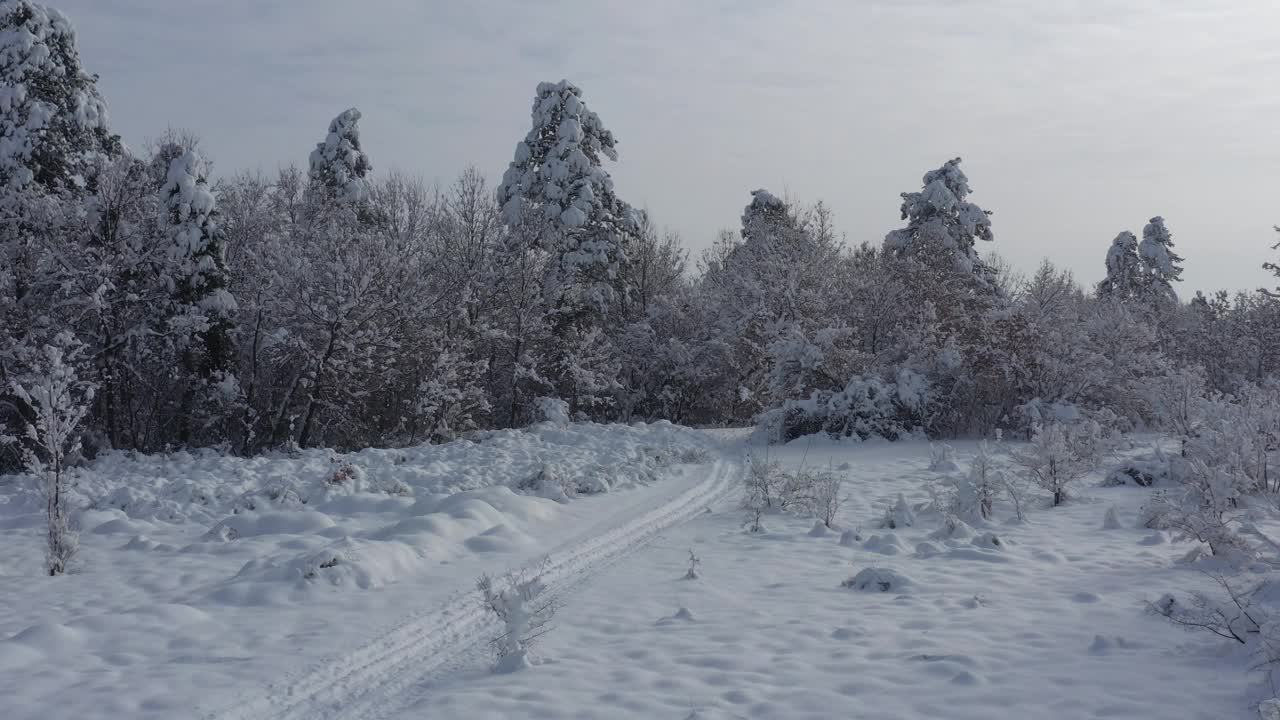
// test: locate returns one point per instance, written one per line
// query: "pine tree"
(1125, 271)
(338, 164)
(557, 193)
(53, 122)
(941, 219)
(201, 321)
(1273, 267)
(1160, 262)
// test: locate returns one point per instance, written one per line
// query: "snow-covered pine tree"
(203, 307)
(1126, 274)
(941, 219)
(53, 122)
(338, 164)
(1160, 262)
(1273, 267)
(558, 195)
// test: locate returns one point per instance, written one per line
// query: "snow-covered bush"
(971, 497)
(1111, 519)
(553, 410)
(57, 401)
(1244, 613)
(1141, 471)
(763, 484)
(344, 474)
(826, 497)
(803, 491)
(695, 562)
(867, 407)
(874, 579)
(520, 600)
(1205, 508)
(942, 458)
(1177, 400)
(694, 455)
(550, 482)
(898, 515)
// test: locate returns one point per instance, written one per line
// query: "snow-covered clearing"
(1050, 625)
(194, 587)
(198, 595)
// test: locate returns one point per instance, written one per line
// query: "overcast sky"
(1076, 119)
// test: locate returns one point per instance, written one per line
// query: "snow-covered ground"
(202, 578)
(199, 595)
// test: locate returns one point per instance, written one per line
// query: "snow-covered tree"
(769, 296)
(1177, 401)
(971, 497)
(1055, 459)
(54, 138)
(451, 397)
(1273, 267)
(53, 122)
(1161, 263)
(1126, 275)
(338, 164)
(558, 196)
(204, 307)
(940, 219)
(58, 401)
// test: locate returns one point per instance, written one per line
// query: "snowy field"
(201, 577)
(221, 587)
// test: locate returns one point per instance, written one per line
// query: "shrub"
(867, 407)
(520, 600)
(1056, 457)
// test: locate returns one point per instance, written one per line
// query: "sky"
(1076, 119)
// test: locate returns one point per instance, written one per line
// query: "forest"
(335, 306)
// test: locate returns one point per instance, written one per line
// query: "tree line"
(331, 306)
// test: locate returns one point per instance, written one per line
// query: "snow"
(255, 587)
(1057, 630)
(194, 585)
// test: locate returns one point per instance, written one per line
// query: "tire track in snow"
(373, 680)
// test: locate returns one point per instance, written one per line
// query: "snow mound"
(252, 524)
(874, 579)
(887, 544)
(349, 562)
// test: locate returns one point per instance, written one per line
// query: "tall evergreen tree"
(558, 194)
(1160, 262)
(1126, 277)
(339, 165)
(940, 219)
(53, 122)
(204, 308)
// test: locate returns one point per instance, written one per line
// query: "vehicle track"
(381, 676)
